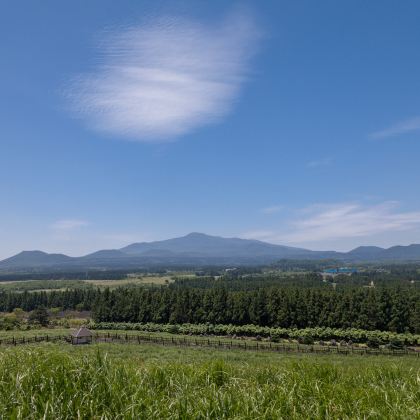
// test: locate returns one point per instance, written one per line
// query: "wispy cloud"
(403, 127)
(166, 78)
(325, 222)
(320, 162)
(68, 225)
(272, 209)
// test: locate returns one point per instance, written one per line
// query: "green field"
(148, 280)
(54, 381)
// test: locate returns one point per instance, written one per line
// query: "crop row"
(275, 334)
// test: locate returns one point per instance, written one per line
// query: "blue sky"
(292, 122)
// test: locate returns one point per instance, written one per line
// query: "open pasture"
(147, 280)
(152, 382)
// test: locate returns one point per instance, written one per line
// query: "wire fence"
(217, 344)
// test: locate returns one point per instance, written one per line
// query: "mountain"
(198, 249)
(365, 253)
(34, 259)
(200, 244)
(105, 254)
(410, 252)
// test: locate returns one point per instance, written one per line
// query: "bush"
(351, 335)
(373, 342)
(39, 316)
(306, 339)
(396, 344)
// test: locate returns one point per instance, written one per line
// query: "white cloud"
(403, 127)
(320, 162)
(327, 222)
(68, 225)
(272, 209)
(166, 78)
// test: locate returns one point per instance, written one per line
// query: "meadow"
(53, 381)
(147, 280)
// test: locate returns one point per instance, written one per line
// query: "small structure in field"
(82, 336)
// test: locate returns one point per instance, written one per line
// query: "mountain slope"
(206, 245)
(365, 252)
(198, 249)
(34, 259)
(410, 252)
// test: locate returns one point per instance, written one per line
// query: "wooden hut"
(82, 336)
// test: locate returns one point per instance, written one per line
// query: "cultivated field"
(148, 280)
(54, 381)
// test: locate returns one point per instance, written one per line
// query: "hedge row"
(318, 333)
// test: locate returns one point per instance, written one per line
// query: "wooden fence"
(249, 345)
(218, 344)
(14, 341)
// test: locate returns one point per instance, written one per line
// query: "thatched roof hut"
(82, 336)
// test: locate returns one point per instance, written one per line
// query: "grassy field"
(151, 382)
(149, 280)
(157, 280)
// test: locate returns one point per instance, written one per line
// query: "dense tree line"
(239, 281)
(393, 309)
(65, 299)
(371, 309)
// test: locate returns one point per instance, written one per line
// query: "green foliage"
(49, 383)
(373, 342)
(306, 339)
(40, 316)
(308, 335)
(396, 343)
(262, 301)
(21, 286)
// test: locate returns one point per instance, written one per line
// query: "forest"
(392, 308)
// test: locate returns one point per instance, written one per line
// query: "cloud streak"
(320, 162)
(166, 78)
(68, 225)
(403, 127)
(272, 209)
(325, 222)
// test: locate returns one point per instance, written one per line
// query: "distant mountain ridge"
(199, 249)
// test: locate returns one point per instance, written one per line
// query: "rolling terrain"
(199, 249)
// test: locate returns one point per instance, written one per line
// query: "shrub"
(396, 344)
(306, 339)
(373, 342)
(351, 335)
(40, 316)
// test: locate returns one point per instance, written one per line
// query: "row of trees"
(305, 336)
(386, 309)
(371, 309)
(236, 280)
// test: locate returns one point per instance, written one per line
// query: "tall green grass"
(53, 383)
